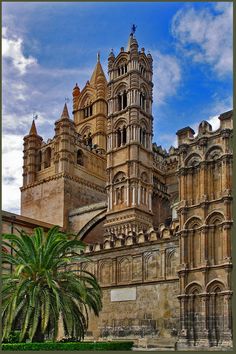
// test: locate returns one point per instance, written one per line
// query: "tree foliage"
(42, 289)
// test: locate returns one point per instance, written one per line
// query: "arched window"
(122, 100)
(119, 181)
(143, 137)
(121, 136)
(122, 69)
(47, 157)
(88, 111)
(80, 158)
(118, 137)
(142, 100)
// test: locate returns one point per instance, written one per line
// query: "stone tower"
(90, 109)
(69, 170)
(129, 140)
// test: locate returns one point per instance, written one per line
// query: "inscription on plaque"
(125, 294)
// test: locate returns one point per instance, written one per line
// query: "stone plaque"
(123, 294)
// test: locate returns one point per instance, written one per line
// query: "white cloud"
(12, 48)
(167, 140)
(167, 76)
(12, 161)
(216, 110)
(206, 35)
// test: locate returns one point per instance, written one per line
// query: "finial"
(67, 100)
(98, 56)
(133, 29)
(35, 116)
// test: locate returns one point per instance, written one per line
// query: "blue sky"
(48, 47)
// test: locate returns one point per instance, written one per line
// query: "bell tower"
(129, 141)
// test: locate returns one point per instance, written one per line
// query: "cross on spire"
(133, 29)
(35, 116)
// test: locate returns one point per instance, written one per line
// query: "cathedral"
(156, 223)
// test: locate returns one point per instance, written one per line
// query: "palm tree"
(43, 290)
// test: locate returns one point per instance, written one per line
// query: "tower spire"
(65, 113)
(33, 130)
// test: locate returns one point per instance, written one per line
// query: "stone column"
(204, 248)
(134, 132)
(226, 241)
(163, 265)
(184, 254)
(139, 187)
(127, 191)
(150, 201)
(128, 134)
(112, 140)
(133, 195)
(111, 194)
(227, 335)
(183, 336)
(204, 341)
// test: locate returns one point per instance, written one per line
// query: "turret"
(32, 155)
(76, 94)
(64, 142)
(111, 59)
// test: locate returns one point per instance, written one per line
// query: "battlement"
(163, 233)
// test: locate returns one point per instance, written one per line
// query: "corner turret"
(31, 155)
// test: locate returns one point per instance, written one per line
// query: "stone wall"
(140, 288)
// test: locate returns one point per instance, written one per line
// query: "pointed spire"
(33, 130)
(65, 113)
(98, 70)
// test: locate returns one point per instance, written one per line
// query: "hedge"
(69, 346)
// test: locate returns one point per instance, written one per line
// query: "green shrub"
(13, 337)
(69, 346)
